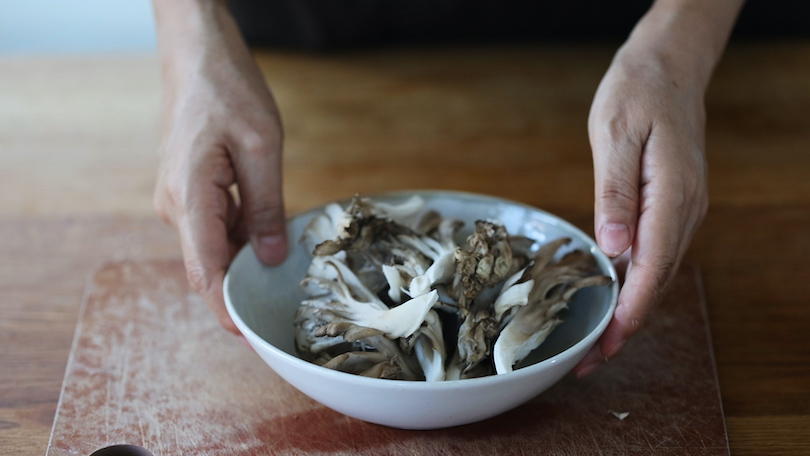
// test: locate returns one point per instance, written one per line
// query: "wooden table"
(77, 141)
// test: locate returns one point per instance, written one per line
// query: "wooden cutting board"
(150, 366)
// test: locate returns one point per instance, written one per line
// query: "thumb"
(259, 179)
(617, 164)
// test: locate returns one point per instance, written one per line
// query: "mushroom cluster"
(391, 294)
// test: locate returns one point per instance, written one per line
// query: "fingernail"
(617, 347)
(272, 248)
(614, 238)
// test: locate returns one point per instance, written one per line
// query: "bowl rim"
(515, 375)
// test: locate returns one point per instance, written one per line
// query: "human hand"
(220, 127)
(646, 129)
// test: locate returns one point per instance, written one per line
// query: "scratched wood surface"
(150, 367)
(44, 267)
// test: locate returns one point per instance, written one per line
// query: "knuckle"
(197, 277)
(617, 127)
(265, 214)
(618, 195)
(259, 143)
(175, 194)
(253, 143)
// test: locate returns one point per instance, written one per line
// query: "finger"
(258, 172)
(616, 148)
(237, 231)
(621, 263)
(644, 283)
(658, 248)
(595, 357)
(205, 246)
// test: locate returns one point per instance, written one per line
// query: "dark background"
(336, 24)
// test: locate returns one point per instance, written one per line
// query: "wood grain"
(77, 149)
(149, 367)
(44, 267)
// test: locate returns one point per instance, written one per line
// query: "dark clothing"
(324, 24)
(334, 24)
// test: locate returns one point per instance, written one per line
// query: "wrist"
(685, 37)
(188, 31)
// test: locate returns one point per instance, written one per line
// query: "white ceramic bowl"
(262, 300)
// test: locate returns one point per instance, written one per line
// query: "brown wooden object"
(150, 366)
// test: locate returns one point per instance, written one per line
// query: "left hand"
(646, 128)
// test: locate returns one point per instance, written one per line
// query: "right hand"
(220, 127)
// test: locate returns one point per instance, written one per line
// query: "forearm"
(689, 36)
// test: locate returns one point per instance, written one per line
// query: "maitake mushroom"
(393, 295)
